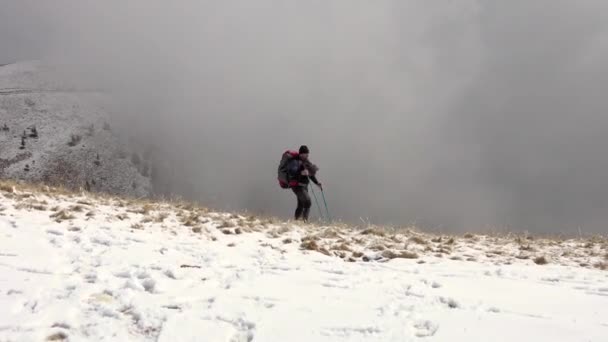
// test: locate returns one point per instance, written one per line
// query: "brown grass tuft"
(357, 254)
(190, 219)
(541, 260)
(137, 226)
(330, 233)
(226, 224)
(196, 229)
(342, 247)
(402, 254)
(122, 216)
(58, 336)
(602, 266)
(7, 188)
(377, 247)
(374, 231)
(160, 218)
(61, 216)
(417, 240)
(528, 248)
(310, 245)
(77, 208)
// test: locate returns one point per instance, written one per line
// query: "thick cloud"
(453, 115)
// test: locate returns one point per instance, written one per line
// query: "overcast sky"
(454, 115)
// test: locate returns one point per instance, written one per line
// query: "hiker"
(295, 172)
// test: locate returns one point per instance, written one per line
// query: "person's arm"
(312, 171)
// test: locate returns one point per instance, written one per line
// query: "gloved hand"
(304, 172)
(320, 185)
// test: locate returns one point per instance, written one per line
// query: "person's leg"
(306, 203)
(299, 195)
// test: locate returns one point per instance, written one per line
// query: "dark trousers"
(304, 202)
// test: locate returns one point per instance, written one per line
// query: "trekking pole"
(316, 201)
(326, 209)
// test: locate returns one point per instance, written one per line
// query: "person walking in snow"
(301, 171)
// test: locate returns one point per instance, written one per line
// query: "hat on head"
(303, 149)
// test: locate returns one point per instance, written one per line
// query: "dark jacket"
(298, 165)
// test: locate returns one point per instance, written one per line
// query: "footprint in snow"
(101, 241)
(425, 328)
(450, 302)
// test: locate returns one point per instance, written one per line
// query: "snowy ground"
(78, 268)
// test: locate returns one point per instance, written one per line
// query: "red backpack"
(284, 177)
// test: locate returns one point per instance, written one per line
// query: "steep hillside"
(83, 267)
(53, 132)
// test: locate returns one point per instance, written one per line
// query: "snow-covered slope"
(81, 268)
(53, 132)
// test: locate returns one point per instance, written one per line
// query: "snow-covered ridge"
(55, 132)
(85, 267)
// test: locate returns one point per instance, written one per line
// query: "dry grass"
(58, 336)
(357, 254)
(190, 220)
(137, 226)
(330, 233)
(340, 240)
(527, 248)
(310, 244)
(226, 224)
(61, 216)
(602, 266)
(161, 217)
(7, 187)
(77, 208)
(418, 240)
(342, 247)
(374, 231)
(401, 254)
(32, 204)
(541, 260)
(377, 248)
(122, 216)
